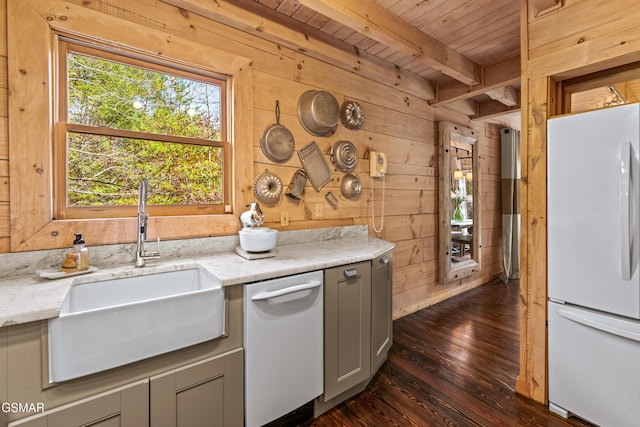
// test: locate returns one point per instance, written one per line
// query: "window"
(602, 89)
(37, 123)
(124, 117)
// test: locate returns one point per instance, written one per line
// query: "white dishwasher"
(283, 345)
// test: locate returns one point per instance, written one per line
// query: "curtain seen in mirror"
(510, 147)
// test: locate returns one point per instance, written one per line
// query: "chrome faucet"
(143, 220)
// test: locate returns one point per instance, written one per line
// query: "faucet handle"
(155, 254)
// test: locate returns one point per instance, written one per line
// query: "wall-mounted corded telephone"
(377, 164)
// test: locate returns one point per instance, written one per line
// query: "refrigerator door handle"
(600, 323)
(625, 207)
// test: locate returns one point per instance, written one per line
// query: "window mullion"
(106, 131)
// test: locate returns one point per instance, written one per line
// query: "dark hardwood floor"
(452, 364)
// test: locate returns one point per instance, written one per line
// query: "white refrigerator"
(593, 231)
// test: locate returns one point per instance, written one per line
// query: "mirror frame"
(450, 272)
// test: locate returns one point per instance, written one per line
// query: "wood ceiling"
(468, 50)
(457, 54)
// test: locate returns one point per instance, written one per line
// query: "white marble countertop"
(28, 298)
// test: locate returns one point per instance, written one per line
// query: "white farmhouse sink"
(113, 322)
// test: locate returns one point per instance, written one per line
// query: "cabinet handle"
(384, 260)
(351, 273)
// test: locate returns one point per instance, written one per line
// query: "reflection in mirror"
(459, 202)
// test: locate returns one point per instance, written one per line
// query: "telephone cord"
(373, 214)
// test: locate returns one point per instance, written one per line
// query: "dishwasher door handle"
(286, 291)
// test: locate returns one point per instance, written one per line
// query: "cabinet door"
(126, 406)
(381, 309)
(206, 393)
(347, 323)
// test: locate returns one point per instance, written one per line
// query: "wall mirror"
(459, 202)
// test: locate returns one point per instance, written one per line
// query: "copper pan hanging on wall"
(277, 142)
(319, 112)
(344, 156)
(267, 188)
(351, 115)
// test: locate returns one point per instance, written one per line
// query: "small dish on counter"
(57, 274)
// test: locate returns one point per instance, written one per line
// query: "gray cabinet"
(206, 393)
(126, 406)
(205, 378)
(358, 329)
(347, 323)
(381, 309)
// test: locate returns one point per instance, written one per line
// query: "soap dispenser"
(82, 251)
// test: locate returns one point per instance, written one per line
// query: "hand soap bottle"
(83, 253)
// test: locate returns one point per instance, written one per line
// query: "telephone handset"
(377, 169)
(377, 164)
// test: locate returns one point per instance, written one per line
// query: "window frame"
(63, 126)
(31, 41)
(609, 77)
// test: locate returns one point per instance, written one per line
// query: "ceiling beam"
(379, 24)
(495, 76)
(491, 108)
(506, 95)
(468, 107)
(251, 17)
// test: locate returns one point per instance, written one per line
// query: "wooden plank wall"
(401, 125)
(577, 38)
(4, 139)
